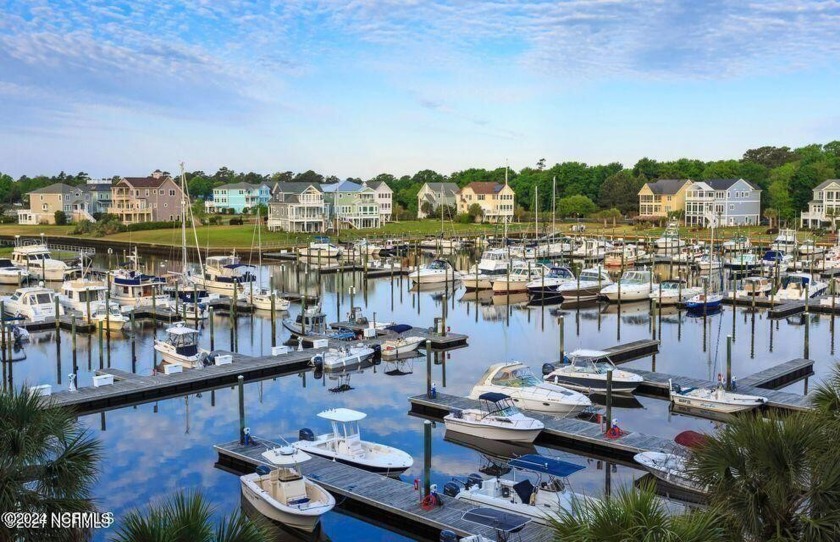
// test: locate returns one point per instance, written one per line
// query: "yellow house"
(44, 202)
(663, 196)
(496, 200)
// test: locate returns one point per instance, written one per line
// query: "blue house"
(238, 196)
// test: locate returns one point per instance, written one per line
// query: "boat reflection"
(401, 364)
(619, 400)
(495, 449)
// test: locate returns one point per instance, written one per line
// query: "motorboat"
(709, 262)
(688, 254)
(633, 285)
(477, 281)
(714, 399)
(626, 255)
(517, 280)
(133, 288)
(112, 317)
(346, 357)
(311, 320)
(586, 370)
(10, 273)
(704, 301)
(345, 445)
(320, 248)
(541, 501)
(739, 243)
(283, 494)
(742, 261)
(776, 261)
(435, 272)
(670, 242)
(671, 468)
(494, 262)
(180, 347)
(785, 241)
(546, 286)
(673, 292)
(435, 243)
(591, 249)
(799, 286)
(401, 345)
(225, 275)
(34, 303)
(37, 259)
(261, 298)
(587, 287)
(83, 296)
(810, 249)
(529, 392)
(363, 246)
(755, 286)
(497, 418)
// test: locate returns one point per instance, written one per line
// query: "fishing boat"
(704, 301)
(180, 347)
(10, 273)
(673, 292)
(111, 317)
(739, 243)
(785, 241)
(346, 357)
(714, 399)
(261, 298)
(519, 277)
(672, 467)
(401, 345)
(37, 260)
(541, 501)
(283, 494)
(34, 303)
(634, 285)
(546, 285)
(670, 242)
(799, 286)
(587, 287)
(435, 272)
(586, 370)
(345, 445)
(743, 261)
(312, 320)
(320, 248)
(529, 392)
(497, 418)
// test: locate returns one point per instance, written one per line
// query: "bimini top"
(342, 415)
(285, 456)
(179, 328)
(545, 465)
(493, 396)
(583, 353)
(496, 519)
(399, 328)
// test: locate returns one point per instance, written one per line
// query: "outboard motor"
(306, 434)
(377, 350)
(448, 536)
(474, 480)
(548, 368)
(317, 361)
(450, 489)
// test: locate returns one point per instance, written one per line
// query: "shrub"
(60, 218)
(214, 220)
(82, 227)
(235, 222)
(464, 218)
(160, 225)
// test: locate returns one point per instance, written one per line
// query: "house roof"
(59, 188)
(726, 184)
(825, 183)
(341, 186)
(240, 186)
(449, 189)
(377, 184)
(667, 186)
(145, 182)
(485, 187)
(294, 187)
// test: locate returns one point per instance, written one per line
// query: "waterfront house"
(436, 194)
(658, 198)
(722, 202)
(75, 201)
(384, 197)
(825, 207)
(239, 197)
(296, 207)
(495, 199)
(351, 204)
(155, 198)
(100, 195)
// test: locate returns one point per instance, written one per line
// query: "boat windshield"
(516, 377)
(43, 299)
(503, 407)
(437, 264)
(634, 277)
(591, 276)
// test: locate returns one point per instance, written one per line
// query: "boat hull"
(491, 432)
(298, 519)
(589, 384)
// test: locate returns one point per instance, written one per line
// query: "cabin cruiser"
(132, 288)
(435, 243)
(673, 292)
(775, 261)
(709, 262)
(345, 445)
(529, 392)
(519, 277)
(687, 255)
(35, 303)
(739, 243)
(312, 320)
(225, 275)
(82, 296)
(435, 272)
(346, 357)
(591, 249)
(181, 347)
(586, 370)
(261, 298)
(494, 262)
(799, 286)
(810, 249)
(497, 418)
(542, 501)
(473, 280)
(546, 285)
(670, 242)
(672, 467)
(320, 248)
(363, 246)
(785, 241)
(283, 494)
(37, 260)
(626, 255)
(714, 399)
(111, 317)
(11, 273)
(632, 286)
(401, 345)
(755, 286)
(704, 302)
(587, 287)
(743, 261)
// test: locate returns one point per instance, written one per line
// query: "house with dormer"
(825, 205)
(496, 200)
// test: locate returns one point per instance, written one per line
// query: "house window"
(481, 197)
(46, 207)
(165, 205)
(171, 192)
(147, 192)
(731, 206)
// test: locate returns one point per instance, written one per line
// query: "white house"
(825, 206)
(436, 194)
(384, 197)
(296, 207)
(723, 202)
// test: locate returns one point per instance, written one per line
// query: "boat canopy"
(584, 353)
(181, 330)
(691, 439)
(399, 328)
(493, 397)
(545, 465)
(285, 456)
(496, 519)
(342, 415)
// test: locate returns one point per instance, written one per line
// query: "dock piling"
(729, 362)
(241, 384)
(212, 335)
(609, 398)
(427, 457)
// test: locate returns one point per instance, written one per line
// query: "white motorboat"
(225, 275)
(775, 261)
(586, 370)
(132, 288)
(34, 303)
(687, 255)
(111, 317)
(626, 255)
(529, 392)
(714, 399)
(785, 241)
(320, 248)
(519, 277)
(345, 445)
(435, 243)
(673, 292)
(11, 273)
(739, 243)
(709, 262)
(363, 246)
(743, 261)
(591, 249)
(435, 272)
(37, 260)
(497, 418)
(541, 501)
(312, 320)
(670, 468)
(546, 285)
(755, 286)
(401, 345)
(634, 285)
(810, 249)
(799, 286)
(283, 494)
(260, 298)
(346, 357)
(477, 281)
(494, 262)
(181, 347)
(78, 296)
(587, 287)
(670, 242)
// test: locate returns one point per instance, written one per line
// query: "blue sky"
(357, 88)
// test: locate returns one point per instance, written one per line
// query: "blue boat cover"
(496, 519)
(399, 328)
(493, 396)
(237, 265)
(545, 465)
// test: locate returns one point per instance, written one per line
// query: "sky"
(358, 88)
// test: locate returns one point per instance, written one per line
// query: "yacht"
(35, 303)
(743, 261)
(755, 286)
(810, 249)
(320, 248)
(586, 370)
(670, 241)
(363, 246)
(519, 277)
(626, 255)
(632, 286)
(181, 347)
(345, 445)
(260, 298)
(435, 272)
(37, 260)
(529, 392)
(225, 275)
(785, 241)
(82, 295)
(799, 286)
(11, 273)
(497, 418)
(587, 287)
(494, 262)
(673, 292)
(546, 285)
(111, 317)
(776, 261)
(709, 262)
(714, 399)
(132, 288)
(591, 249)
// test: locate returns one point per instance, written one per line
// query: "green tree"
(60, 218)
(722, 169)
(769, 157)
(575, 206)
(187, 517)
(771, 215)
(621, 191)
(826, 397)
(648, 168)
(779, 198)
(48, 462)
(475, 212)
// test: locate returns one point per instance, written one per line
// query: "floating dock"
(386, 272)
(632, 350)
(436, 341)
(389, 500)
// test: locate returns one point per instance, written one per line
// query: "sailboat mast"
(183, 221)
(554, 204)
(536, 211)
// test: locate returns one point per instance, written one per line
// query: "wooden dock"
(787, 309)
(387, 499)
(436, 341)
(780, 375)
(285, 255)
(633, 350)
(569, 433)
(386, 272)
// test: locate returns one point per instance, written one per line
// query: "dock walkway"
(435, 340)
(390, 500)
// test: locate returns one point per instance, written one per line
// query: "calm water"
(155, 449)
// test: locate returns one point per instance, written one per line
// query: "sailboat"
(189, 291)
(261, 297)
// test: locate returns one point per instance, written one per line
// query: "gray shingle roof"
(726, 184)
(448, 189)
(59, 188)
(294, 188)
(667, 186)
(825, 183)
